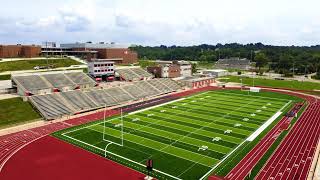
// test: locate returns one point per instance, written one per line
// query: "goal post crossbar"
(104, 129)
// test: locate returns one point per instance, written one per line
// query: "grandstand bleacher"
(44, 83)
(58, 80)
(32, 82)
(233, 63)
(134, 74)
(79, 100)
(101, 97)
(56, 105)
(51, 106)
(80, 78)
(170, 84)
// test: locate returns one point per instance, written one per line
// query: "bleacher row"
(59, 104)
(52, 80)
(132, 74)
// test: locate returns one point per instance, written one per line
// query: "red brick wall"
(16, 51)
(30, 51)
(128, 56)
(155, 71)
(174, 71)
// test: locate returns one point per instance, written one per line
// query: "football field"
(186, 138)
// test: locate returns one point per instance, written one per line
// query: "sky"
(157, 22)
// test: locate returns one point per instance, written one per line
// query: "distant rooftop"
(100, 45)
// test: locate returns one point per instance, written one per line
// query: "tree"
(261, 60)
(194, 67)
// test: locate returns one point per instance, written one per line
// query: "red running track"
(293, 158)
(241, 170)
(50, 159)
(304, 148)
(12, 144)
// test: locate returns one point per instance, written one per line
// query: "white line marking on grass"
(152, 107)
(139, 143)
(119, 156)
(222, 160)
(208, 125)
(267, 123)
(262, 97)
(264, 126)
(211, 170)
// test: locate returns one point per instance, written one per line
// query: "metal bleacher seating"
(160, 86)
(135, 91)
(80, 78)
(141, 72)
(79, 100)
(128, 75)
(134, 74)
(51, 106)
(32, 82)
(147, 88)
(119, 94)
(59, 104)
(170, 84)
(46, 82)
(102, 98)
(58, 80)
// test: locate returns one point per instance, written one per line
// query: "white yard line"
(267, 123)
(152, 107)
(222, 160)
(119, 156)
(253, 135)
(119, 117)
(64, 134)
(262, 97)
(135, 142)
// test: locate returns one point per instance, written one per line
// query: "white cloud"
(154, 22)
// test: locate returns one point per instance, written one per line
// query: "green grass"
(146, 63)
(5, 77)
(14, 111)
(171, 134)
(299, 85)
(30, 64)
(205, 65)
(225, 167)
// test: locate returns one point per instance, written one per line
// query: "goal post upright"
(121, 124)
(104, 120)
(121, 127)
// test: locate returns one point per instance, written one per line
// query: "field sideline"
(186, 139)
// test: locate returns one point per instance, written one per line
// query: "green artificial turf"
(173, 134)
(299, 85)
(14, 111)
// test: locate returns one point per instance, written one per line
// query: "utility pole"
(47, 55)
(293, 70)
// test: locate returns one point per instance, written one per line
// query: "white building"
(165, 71)
(215, 72)
(101, 67)
(185, 69)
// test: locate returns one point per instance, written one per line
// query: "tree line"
(281, 59)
